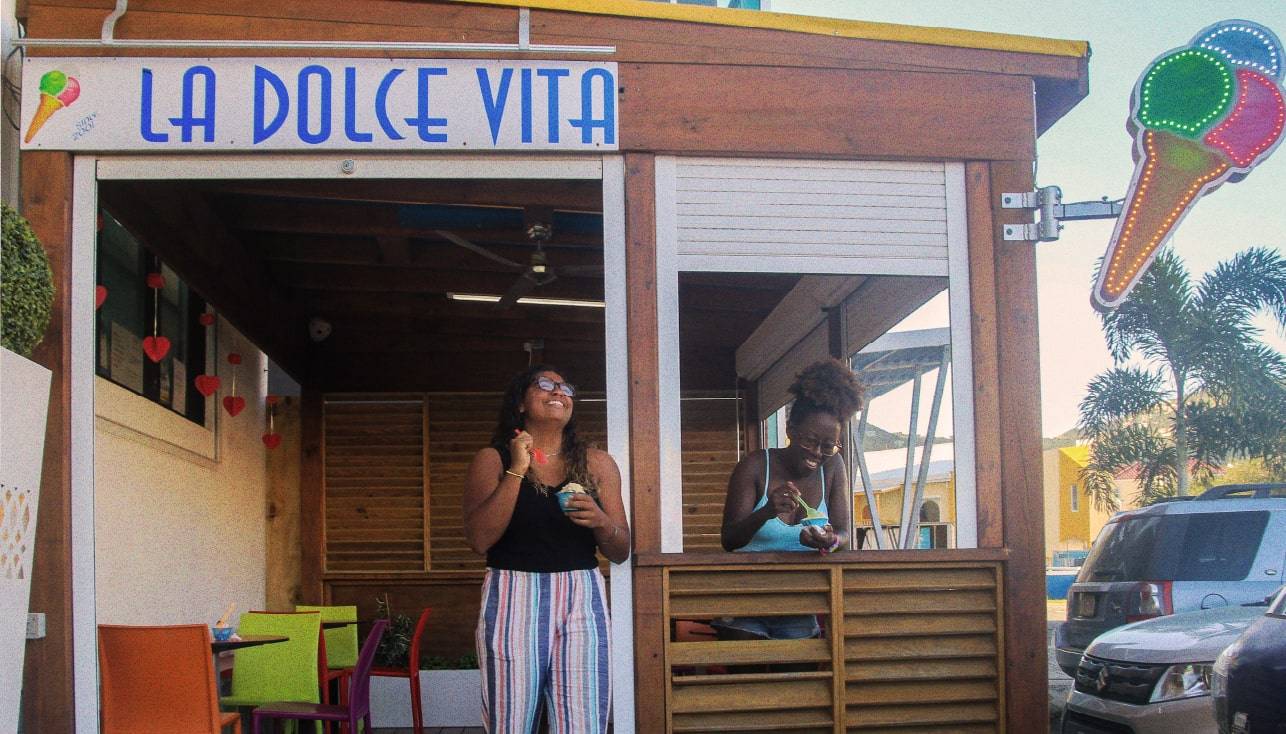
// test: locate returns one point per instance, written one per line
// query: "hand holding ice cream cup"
(565, 495)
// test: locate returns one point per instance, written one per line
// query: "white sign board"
(24, 405)
(152, 104)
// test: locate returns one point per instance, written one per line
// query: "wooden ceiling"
(370, 257)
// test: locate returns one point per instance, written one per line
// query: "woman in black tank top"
(543, 629)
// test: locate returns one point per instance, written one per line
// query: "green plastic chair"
(341, 642)
(282, 671)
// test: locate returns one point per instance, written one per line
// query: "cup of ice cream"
(817, 520)
(567, 492)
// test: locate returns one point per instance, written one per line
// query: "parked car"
(1249, 682)
(1225, 547)
(1153, 677)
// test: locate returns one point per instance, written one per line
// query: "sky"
(1087, 154)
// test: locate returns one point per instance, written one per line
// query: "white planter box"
(449, 698)
(24, 407)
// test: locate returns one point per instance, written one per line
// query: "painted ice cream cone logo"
(57, 90)
(1203, 115)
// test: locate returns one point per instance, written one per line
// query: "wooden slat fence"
(387, 455)
(374, 482)
(908, 648)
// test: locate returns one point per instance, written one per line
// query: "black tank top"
(540, 538)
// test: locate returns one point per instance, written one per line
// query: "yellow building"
(1071, 520)
(937, 517)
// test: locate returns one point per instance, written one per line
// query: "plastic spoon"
(223, 621)
(808, 511)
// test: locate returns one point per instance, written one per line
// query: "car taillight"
(1149, 599)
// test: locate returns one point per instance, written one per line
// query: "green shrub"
(26, 285)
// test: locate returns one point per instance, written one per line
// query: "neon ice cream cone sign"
(1202, 115)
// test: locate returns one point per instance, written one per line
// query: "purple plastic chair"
(359, 695)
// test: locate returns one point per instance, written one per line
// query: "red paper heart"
(272, 399)
(272, 440)
(234, 404)
(155, 280)
(100, 295)
(234, 358)
(206, 319)
(156, 347)
(207, 384)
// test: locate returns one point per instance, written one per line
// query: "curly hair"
(825, 387)
(574, 450)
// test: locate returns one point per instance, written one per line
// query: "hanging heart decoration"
(272, 439)
(206, 319)
(100, 295)
(156, 347)
(207, 385)
(234, 404)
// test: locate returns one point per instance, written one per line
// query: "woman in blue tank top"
(761, 511)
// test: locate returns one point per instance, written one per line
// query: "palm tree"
(1200, 388)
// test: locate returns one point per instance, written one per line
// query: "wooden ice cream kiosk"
(768, 189)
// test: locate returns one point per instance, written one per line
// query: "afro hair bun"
(827, 385)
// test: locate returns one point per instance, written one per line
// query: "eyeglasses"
(548, 385)
(813, 444)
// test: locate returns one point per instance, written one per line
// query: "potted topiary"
(450, 690)
(26, 298)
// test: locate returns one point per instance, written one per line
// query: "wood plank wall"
(379, 470)
(712, 446)
(374, 483)
(909, 647)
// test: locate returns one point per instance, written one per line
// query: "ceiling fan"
(537, 271)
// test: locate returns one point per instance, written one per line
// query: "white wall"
(179, 510)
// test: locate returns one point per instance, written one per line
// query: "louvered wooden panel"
(921, 649)
(710, 451)
(374, 482)
(907, 648)
(459, 425)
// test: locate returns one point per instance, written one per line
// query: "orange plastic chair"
(159, 679)
(411, 671)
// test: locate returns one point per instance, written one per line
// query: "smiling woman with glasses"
(795, 498)
(538, 503)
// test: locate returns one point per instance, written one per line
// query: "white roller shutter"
(766, 215)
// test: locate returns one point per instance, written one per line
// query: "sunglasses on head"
(548, 385)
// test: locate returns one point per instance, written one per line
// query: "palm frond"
(1120, 448)
(1155, 314)
(1119, 394)
(1252, 280)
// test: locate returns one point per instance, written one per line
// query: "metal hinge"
(1045, 228)
(1048, 201)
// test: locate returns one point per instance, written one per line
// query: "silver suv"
(1225, 547)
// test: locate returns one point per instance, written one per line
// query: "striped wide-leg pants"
(542, 637)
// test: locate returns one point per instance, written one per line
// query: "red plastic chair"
(358, 708)
(411, 671)
(159, 679)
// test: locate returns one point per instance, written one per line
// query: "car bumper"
(1068, 659)
(1188, 715)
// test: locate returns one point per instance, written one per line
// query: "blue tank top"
(776, 535)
